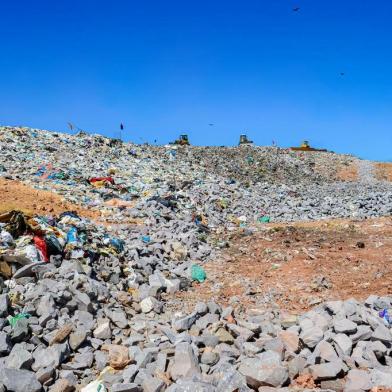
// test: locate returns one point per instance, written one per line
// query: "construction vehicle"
(244, 140)
(183, 140)
(305, 146)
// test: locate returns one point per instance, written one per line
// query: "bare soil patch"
(300, 265)
(15, 195)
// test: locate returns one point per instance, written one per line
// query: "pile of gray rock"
(94, 317)
(83, 333)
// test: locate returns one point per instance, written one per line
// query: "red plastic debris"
(40, 244)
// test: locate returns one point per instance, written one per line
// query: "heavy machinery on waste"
(305, 146)
(244, 140)
(183, 140)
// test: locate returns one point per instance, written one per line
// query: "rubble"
(86, 306)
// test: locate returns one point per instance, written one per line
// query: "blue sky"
(163, 67)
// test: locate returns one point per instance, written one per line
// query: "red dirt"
(384, 171)
(348, 173)
(299, 265)
(15, 195)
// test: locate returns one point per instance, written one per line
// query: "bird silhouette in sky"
(342, 74)
(122, 126)
(211, 125)
(296, 9)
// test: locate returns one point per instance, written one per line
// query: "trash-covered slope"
(87, 307)
(224, 184)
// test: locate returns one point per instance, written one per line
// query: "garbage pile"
(228, 186)
(86, 307)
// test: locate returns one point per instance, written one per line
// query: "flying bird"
(296, 9)
(122, 126)
(342, 74)
(211, 125)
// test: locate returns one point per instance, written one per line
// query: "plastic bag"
(72, 235)
(198, 273)
(14, 319)
(40, 244)
(385, 316)
(264, 219)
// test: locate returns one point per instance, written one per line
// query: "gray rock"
(333, 385)
(103, 330)
(201, 308)
(383, 334)
(207, 340)
(296, 366)
(84, 319)
(77, 338)
(185, 362)
(364, 332)
(236, 331)
(213, 307)
(209, 357)
(204, 321)
(311, 336)
(149, 304)
(263, 373)
(188, 386)
(20, 331)
(62, 385)
(232, 381)
(18, 380)
(325, 351)
(326, 371)
(46, 305)
(80, 361)
(83, 301)
(19, 358)
(343, 344)
(129, 373)
(357, 381)
(101, 359)
(126, 387)
(152, 384)
(184, 323)
(5, 345)
(118, 317)
(4, 305)
(45, 374)
(345, 326)
(380, 378)
(50, 357)
(224, 336)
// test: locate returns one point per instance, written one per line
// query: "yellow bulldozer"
(305, 146)
(183, 140)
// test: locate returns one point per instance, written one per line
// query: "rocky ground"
(100, 246)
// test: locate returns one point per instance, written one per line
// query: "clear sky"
(163, 67)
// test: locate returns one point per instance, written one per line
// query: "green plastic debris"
(264, 219)
(198, 273)
(14, 319)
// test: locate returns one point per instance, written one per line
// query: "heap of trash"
(87, 307)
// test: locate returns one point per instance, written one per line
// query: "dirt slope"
(300, 265)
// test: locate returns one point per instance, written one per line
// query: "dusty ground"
(383, 171)
(299, 265)
(347, 173)
(15, 195)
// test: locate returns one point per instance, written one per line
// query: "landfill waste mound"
(224, 185)
(86, 307)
